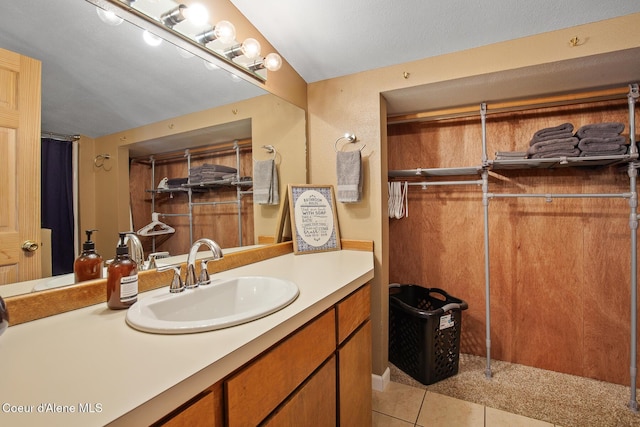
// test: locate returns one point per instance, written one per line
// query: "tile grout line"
(424, 395)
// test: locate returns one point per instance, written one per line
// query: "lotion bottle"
(89, 265)
(122, 278)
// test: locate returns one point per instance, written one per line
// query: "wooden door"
(19, 167)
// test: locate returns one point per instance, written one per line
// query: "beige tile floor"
(402, 405)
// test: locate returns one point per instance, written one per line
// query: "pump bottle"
(122, 278)
(89, 265)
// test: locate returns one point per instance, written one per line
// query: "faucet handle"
(176, 283)
(152, 262)
(204, 278)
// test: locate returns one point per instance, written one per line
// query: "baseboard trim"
(380, 382)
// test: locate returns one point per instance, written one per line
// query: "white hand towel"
(265, 182)
(349, 170)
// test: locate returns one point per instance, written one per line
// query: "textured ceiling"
(323, 39)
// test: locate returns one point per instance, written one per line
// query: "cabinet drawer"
(204, 410)
(352, 311)
(314, 404)
(255, 391)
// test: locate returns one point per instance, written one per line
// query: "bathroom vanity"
(310, 360)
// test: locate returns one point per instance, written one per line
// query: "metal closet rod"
(518, 105)
(563, 196)
(435, 183)
(194, 152)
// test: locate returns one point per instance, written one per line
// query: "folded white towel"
(349, 170)
(265, 182)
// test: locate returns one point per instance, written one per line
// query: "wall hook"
(575, 41)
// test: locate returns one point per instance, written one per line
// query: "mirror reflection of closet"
(199, 192)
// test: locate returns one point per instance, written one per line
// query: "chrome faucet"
(191, 281)
(137, 252)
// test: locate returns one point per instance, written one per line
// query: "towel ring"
(270, 149)
(350, 137)
(98, 161)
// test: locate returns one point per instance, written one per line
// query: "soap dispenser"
(122, 278)
(89, 265)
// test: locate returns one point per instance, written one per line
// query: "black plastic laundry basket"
(424, 331)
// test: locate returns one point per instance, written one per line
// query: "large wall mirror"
(128, 99)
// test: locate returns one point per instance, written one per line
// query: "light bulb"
(109, 17)
(225, 32)
(251, 48)
(151, 39)
(272, 62)
(197, 14)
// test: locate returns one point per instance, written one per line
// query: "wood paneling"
(559, 270)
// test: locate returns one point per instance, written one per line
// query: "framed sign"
(314, 221)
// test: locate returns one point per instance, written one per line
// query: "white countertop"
(90, 359)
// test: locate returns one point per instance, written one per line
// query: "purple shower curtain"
(57, 201)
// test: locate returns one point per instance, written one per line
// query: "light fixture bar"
(145, 22)
(174, 16)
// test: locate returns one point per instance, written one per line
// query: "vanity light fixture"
(271, 62)
(174, 16)
(197, 14)
(223, 31)
(250, 48)
(217, 41)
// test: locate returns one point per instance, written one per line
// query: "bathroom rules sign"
(314, 218)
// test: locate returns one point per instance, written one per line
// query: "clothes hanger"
(155, 227)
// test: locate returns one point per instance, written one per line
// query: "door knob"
(30, 246)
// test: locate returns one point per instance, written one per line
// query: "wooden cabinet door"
(254, 392)
(204, 410)
(354, 379)
(19, 166)
(314, 404)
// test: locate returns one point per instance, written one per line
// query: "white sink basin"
(223, 303)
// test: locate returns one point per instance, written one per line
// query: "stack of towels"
(557, 141)
(598, 139)
(602, 139)
(176, 182)
(208, 173)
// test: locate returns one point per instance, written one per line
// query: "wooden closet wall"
(560, 297)
(217, 222)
